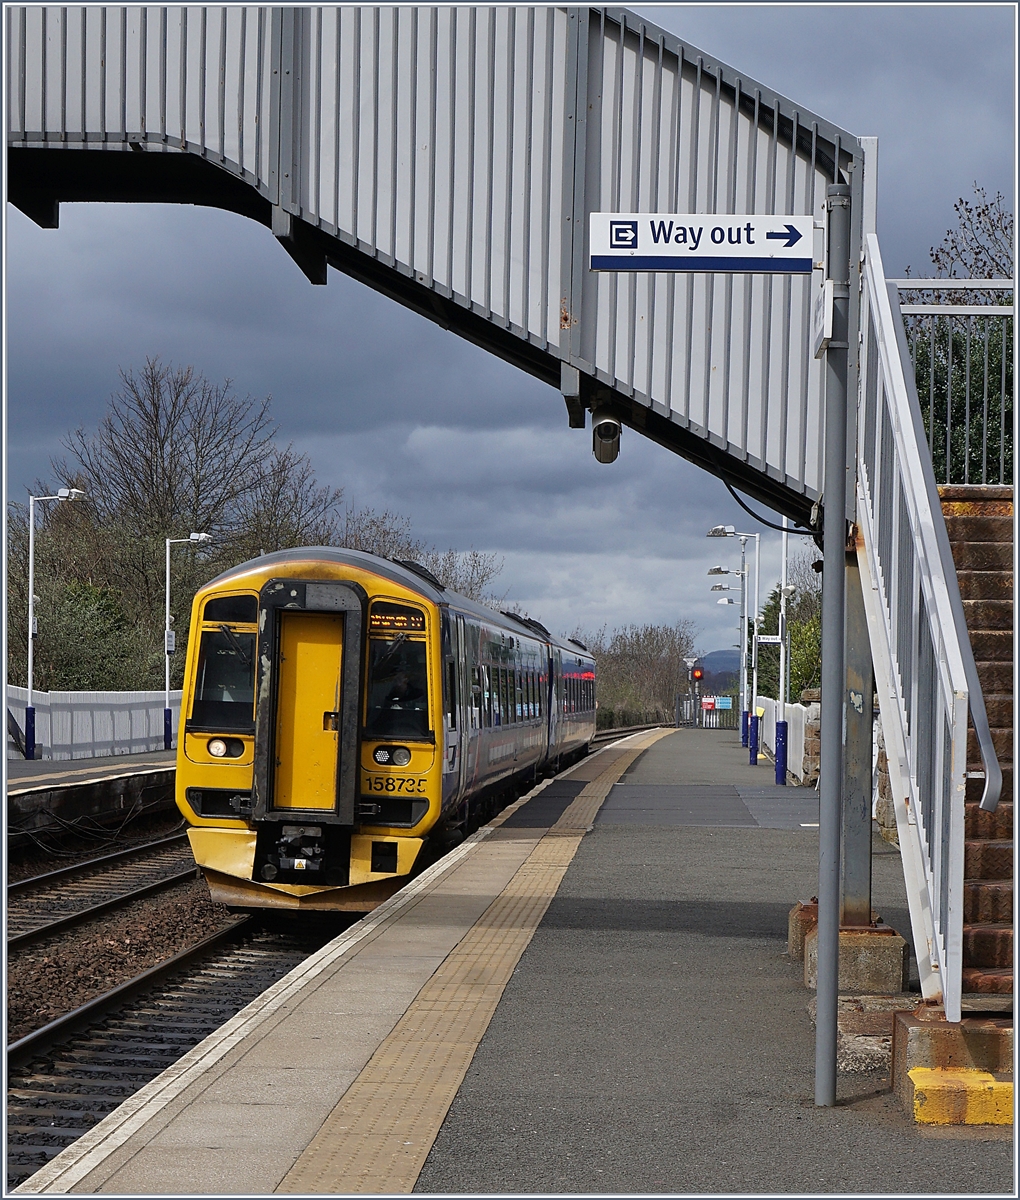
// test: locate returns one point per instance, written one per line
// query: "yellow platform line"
(377, 1138)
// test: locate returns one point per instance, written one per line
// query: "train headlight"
(391, 756)
(226, 747)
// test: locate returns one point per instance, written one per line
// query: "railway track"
(47, 904)
(67, 1076)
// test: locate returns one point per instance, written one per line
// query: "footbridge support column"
(830, 783)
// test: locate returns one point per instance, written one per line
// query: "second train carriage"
(341, 712)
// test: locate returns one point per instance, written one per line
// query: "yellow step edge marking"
(960, 1096)
(377, 1138)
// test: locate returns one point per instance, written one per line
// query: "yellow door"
(307, 716)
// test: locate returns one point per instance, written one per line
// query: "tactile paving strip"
(377, 1138)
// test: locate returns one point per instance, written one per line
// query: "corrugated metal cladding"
(463, 148)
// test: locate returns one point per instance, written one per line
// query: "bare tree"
(980, 246)
(639, 668)
(174, 451)
(176, 454)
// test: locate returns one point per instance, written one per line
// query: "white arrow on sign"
(701, 242)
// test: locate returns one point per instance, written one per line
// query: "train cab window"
(225, 681)
(397, 675)
(234, 610)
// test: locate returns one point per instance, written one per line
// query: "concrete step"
(995, 676)
(976, 787)
(986, 585)
(988, 944)
(987, 900)
(999, 708)
(992, 645)
(960, 1096)
(988, 614)
(983, 556)
(988, 981)
(1002, 740)
(988, 860)
(966, 498)
(989, 826)
(979, 527)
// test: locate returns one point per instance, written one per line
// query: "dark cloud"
(408, 417)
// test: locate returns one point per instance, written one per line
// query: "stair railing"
(925, 673)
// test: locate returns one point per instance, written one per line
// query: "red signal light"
(697, 673)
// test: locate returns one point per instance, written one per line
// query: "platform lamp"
(741, 637)
(170, 638)
(62, 494)
(748, 719)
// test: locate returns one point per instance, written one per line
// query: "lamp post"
(749, 721)
(170, 639)
(62, 494)
(785, 592)
(741, 634)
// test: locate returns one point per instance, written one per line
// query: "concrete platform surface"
(23, 775)
(574, 1000)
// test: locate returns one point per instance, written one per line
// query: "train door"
(308, 710)
(452, 725)
(468, 729)
(552, 697)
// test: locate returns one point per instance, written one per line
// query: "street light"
(748, 720)
(170, 638)
(62, 494)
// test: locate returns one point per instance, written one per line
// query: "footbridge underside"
(449, 158)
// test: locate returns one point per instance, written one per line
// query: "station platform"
(589, 995)
(46, 773)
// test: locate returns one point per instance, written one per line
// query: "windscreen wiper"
(238, 648)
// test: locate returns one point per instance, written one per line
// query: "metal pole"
(168, 736)
(744, 716)
(781, 730)
(755, 731)
(833, 584)
(29, 707)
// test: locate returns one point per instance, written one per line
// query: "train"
(345, 719)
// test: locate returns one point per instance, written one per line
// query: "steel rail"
(23, 885)
(40, 1039)
(35, 935)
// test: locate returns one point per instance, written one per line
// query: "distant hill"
(720, 661)
(722, 670)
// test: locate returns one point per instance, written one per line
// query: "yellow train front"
(341, 711)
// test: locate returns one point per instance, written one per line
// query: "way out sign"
(701, 242)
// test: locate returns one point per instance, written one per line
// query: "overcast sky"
(405, 416)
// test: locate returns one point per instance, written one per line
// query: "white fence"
(93, 724)
(796, 719)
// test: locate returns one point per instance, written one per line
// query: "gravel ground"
(55, 976)
(63, 850)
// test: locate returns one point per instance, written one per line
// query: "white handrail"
(924, 668)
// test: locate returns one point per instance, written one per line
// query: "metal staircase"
(925, 670)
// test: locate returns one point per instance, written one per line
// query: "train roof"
(414, 577)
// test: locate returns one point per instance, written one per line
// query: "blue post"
(743, 728)
(781, 727)
(753, 740)
(30, 732)
(168, 729)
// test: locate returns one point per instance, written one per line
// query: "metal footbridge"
(450, 158)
